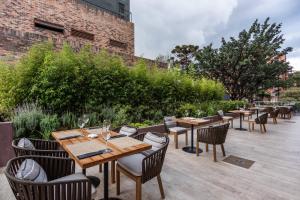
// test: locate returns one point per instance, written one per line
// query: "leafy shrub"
(49, 124)
(30, 121)
(66, 81)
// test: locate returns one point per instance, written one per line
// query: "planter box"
(6, 137)
(160, 128)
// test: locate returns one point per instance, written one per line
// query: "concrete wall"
(6, 137)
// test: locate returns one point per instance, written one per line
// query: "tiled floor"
(274, 175)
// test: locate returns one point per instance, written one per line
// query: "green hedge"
(62, 81)
(64, 84)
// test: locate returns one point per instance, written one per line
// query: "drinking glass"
(81, 123)
(86, 118)
(107, 137)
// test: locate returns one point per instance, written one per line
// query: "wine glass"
(86, 118)
(107, 137)
(81, 123)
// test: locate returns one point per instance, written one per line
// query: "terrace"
(274, 175)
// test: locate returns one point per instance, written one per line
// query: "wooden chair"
(144, 166)
(42, 148)
(78, 189)
(262, 120)
(129, 131)
(172, 128)
(226, 119)
(274, 115)
(215, 135)
(285, 112)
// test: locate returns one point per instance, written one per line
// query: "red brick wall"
(17, 30)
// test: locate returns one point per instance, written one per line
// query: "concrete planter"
(160, 128)
(6, 137)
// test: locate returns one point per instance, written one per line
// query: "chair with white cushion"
(43, 177)
(225, 118)
(39, 147)
(172, 128)
(144, 166)
(125, 130)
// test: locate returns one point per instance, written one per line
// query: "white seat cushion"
(73, 177)
(30, 170)
(125, 130)
(132, 163)
(178, 129)
(155, 141)
(26, 144)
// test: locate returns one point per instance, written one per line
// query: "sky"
(160, 25)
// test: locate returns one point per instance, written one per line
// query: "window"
(48, 25)
(121, 8)
(118, 44)
(82, 34)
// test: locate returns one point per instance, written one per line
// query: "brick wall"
(18, 32)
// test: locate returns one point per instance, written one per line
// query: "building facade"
(103, 24)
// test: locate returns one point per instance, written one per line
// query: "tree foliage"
(249, 63)
(184, 56)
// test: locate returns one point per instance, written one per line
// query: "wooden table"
(241, 113)
(100, 159)
(192, 122)
(257, 109)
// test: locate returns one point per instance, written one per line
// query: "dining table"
(192, 122)
(241, 112)
(257, 109)
(118, 147)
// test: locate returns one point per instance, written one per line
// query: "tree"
(249, 63)
(296, 78)
(184, 56)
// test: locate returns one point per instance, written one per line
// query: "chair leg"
(113, 171)
(118, 181)
(161, 189)
(100, 168)
(264, 126)
(186, 138)
(215, 153)
(275, 120)
(232, 123)
(138, 194)
(252, 126)
(176, 140)
(223, 150)
(206, 147)
(197, 147)
(261, 129)
(249, 127)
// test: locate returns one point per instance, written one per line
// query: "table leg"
(241, 124)
(105, 184)
(191, 149)
(257, 113)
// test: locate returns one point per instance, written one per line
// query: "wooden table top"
(240, 111)
(192, 121)
(96, 160)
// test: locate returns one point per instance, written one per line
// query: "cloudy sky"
(162, 24)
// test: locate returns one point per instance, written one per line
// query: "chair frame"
(176, 135)
(212, 135)
(262, 123)
(54, 167)
(42, 148)
(151, 167)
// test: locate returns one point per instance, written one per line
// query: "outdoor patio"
(274, 175)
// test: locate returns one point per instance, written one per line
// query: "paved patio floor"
(274, 175)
